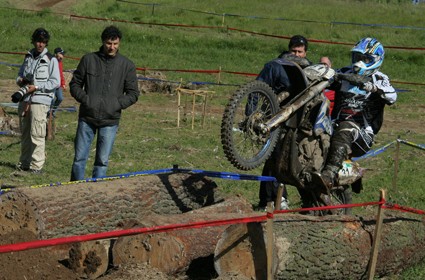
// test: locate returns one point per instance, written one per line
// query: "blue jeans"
(57, 100)
(83, 139)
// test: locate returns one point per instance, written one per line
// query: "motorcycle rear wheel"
(244, 145)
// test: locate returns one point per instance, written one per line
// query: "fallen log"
(330, 247)
(92, 207)
(173, 251)
(82, 208)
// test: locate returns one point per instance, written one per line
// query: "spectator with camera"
(38, 78)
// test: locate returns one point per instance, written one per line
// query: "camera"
(17, 96)
(26, 80)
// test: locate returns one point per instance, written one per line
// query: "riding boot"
(327, 178)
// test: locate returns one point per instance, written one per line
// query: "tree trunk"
(89, 259)
(82, 208)
(173, 251)
(92, 207)
(331, 247)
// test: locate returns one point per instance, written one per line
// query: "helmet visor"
(365, 58)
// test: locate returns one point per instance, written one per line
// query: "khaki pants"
(33, 138)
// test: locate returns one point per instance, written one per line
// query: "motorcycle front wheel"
(244, 144)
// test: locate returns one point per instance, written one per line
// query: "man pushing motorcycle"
(359, 109)
(276, 77)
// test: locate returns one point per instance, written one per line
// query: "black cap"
(59, 50)
(298, 40)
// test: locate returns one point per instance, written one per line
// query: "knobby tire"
(244, 146)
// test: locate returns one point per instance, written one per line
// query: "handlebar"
(354, 79)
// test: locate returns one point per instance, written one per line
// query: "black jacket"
(104, 86)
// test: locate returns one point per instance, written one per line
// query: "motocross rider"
(358, 111)
(275, 76)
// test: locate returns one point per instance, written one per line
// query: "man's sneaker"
(36, 171)
(284, 204)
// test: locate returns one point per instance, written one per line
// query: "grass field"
(148, 137)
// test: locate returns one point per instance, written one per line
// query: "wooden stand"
(193, 93)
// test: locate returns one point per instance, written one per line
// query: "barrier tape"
(216, 174)
(393, 206)
(385, 147)
(127, 232)
(15, 106)
(252, 17)
(284, 19)
(21, 246)
(375, 152)
(240, 30)
(419, 146)
(7, 132)
(147, 23)
(201, 71)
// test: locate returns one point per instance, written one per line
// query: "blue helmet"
(367, 56)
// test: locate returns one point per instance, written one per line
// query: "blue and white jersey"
(365, 108)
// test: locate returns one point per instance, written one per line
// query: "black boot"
(327, 178)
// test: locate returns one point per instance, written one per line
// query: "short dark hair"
(111, 33)
(40, 35)
(297, 41)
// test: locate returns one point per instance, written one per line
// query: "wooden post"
(153, 9)
(178, 102)
(193, 109)
(222, 19)
(219, 75)
(50, 132)
(204, 110)
(396, 164)
(269, 244)
(279, 196)
(178, 108)
(376, 239)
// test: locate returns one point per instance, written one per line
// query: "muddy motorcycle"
(289, 132)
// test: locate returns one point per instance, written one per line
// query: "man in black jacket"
(104, 83)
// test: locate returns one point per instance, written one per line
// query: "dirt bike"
(290, 132)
